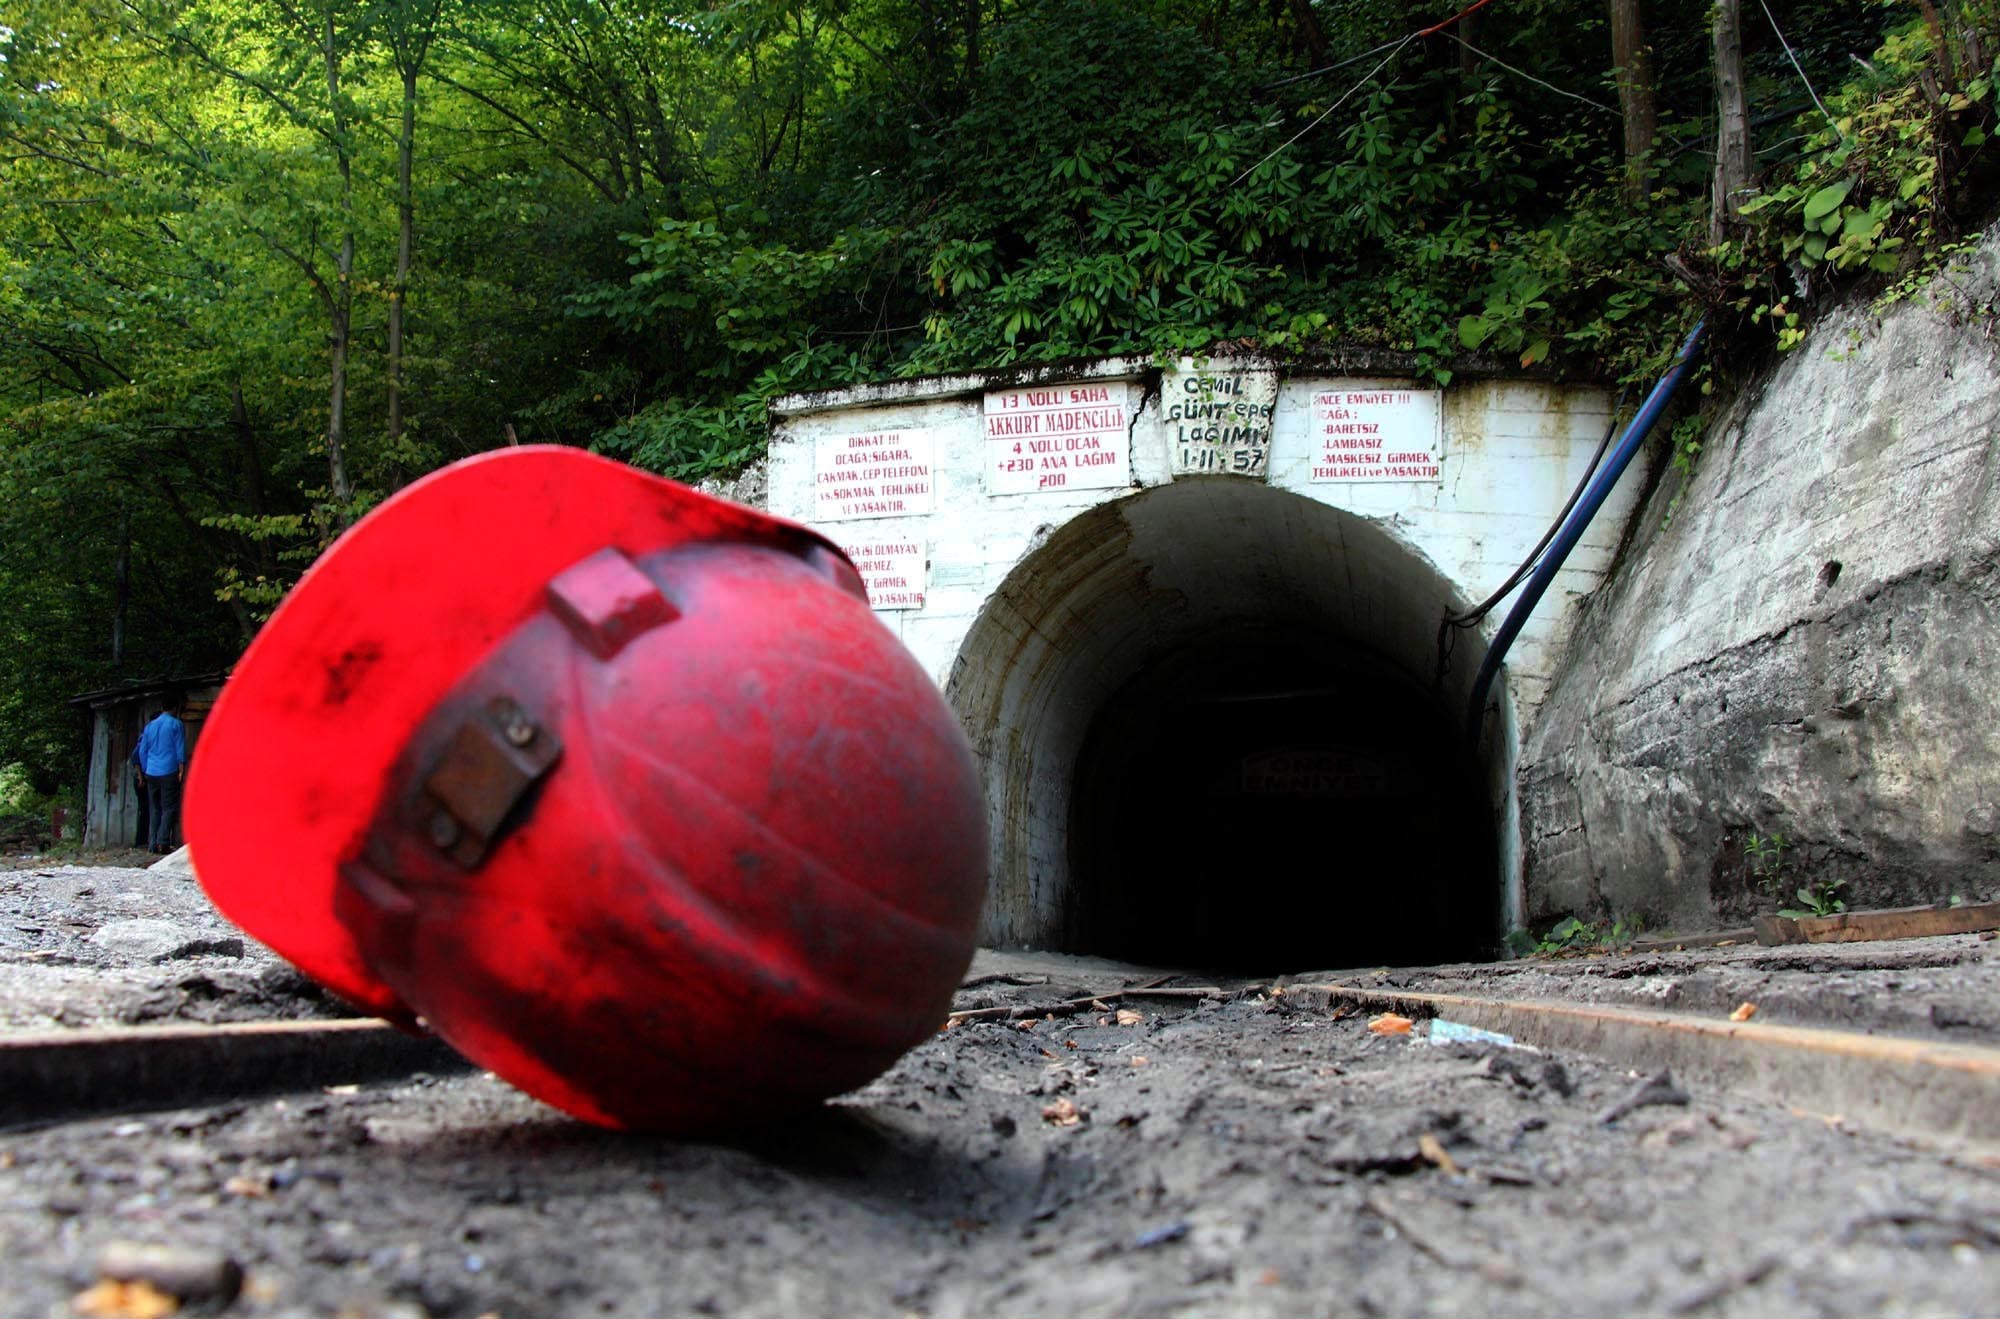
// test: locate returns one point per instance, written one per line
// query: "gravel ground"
(1253, 1156)
(109, 944)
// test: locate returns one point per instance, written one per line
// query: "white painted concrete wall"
(1511, 452)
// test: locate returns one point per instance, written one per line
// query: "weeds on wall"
(1887, 178)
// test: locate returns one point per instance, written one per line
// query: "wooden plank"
(1773, 930)
(1899, 923)
(1932, 1092)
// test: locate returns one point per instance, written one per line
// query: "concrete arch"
(1220, 668)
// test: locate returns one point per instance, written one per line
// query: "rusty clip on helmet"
(620, 789)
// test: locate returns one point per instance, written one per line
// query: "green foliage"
(1573, 937)
(1819, 898)
(1874, 187)
(634, 227)
(1764, 854)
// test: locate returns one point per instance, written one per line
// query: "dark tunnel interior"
(1275, 798)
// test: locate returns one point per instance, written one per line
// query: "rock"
(177, 862)
(1734, 679)
(143, 939)
(189, 1273)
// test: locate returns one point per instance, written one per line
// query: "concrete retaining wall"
(1809, 646)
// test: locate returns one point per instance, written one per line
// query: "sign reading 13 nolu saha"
(1369, 434)
(1218, 419)
(1058, 437)
(874, 474)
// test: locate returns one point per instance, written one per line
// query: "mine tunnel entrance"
(1275, 798)
(1214, 735)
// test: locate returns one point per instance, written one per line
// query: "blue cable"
(1573, 529)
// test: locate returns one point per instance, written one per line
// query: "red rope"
(1466, 12)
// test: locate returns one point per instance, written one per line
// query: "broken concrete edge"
(53, 1076)
(1943, 1096)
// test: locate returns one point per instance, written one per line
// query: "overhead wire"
(1523, 73)
(1464, 13)
(1321, 116)
(1331, 68)
(1800, 68)
(1393, 49)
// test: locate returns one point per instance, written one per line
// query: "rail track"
(50, 1076)
(1939, 1094)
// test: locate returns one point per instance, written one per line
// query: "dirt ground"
(1246, 1155)
(111, 944)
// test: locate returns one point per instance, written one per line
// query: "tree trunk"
(341, 307)
(121, 588)
(246, 440)
(405, 241)
(1635, 97)
(969, 24)
(1732, 143)
(1946, 67)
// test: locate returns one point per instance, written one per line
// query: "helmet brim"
(293, 761)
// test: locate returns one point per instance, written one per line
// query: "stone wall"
(1806, 644)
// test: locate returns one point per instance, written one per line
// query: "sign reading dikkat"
(894, 572)
(1057, 437)
(876, 474)
(1376, 435)
(1218, 420)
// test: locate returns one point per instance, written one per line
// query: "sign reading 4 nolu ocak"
(1058, 437)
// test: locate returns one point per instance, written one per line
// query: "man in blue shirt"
(162, 760)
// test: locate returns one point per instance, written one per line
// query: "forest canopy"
(262, 262)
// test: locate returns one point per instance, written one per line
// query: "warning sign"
(1376, 435)
(1057, 437)
(879, 474)
(1218, 420)
(892, 570)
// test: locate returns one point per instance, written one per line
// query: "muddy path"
(1241, 1153)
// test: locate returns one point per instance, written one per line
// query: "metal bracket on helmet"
(489, 764)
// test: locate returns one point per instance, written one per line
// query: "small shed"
(114, 808)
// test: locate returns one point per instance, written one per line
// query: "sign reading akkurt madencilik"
(874, 474)
(1058, 437)
(1368, 434)
(1218, 419)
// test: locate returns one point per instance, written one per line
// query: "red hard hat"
(619, 788)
